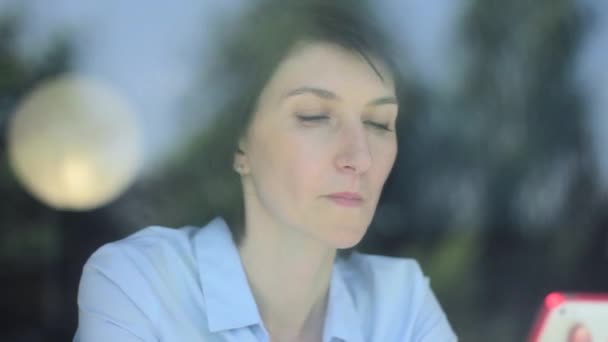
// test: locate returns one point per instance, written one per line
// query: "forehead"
(330, 66)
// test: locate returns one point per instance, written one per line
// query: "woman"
(314, 141)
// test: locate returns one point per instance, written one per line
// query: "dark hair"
(249, 57)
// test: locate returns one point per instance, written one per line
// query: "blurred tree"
(532, 148)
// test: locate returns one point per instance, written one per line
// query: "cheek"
(384, 158)
(289, 165)
(305, 162)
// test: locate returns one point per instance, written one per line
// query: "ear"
(241, 163)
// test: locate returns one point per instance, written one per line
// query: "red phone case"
(555, 301)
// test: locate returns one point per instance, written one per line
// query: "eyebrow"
(329, 95)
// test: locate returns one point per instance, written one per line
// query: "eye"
(378, 125)
(313, 117)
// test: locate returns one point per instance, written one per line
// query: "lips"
(346, 199)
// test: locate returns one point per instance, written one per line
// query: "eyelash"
(312, 118)
(378, 125)
(323, 117)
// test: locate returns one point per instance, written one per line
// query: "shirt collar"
(228, 298)
(341, 320)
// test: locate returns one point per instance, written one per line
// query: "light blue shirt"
(188, 284)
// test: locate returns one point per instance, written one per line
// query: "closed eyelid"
(310, 107)
(312, 115)
(380, 125)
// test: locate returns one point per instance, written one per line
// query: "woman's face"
(320, 146)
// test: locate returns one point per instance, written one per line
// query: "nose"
(354, 156)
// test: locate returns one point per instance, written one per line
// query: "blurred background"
(500, 189)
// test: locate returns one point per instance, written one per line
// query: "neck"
(289, 274)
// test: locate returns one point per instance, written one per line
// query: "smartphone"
(572, 317)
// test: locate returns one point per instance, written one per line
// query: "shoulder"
(149, 282)
(394, 299)
(153, 245)
(158, 257)
(144, 259)
(152, 268)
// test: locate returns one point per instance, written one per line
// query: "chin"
(346, 244)
(346, 237)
